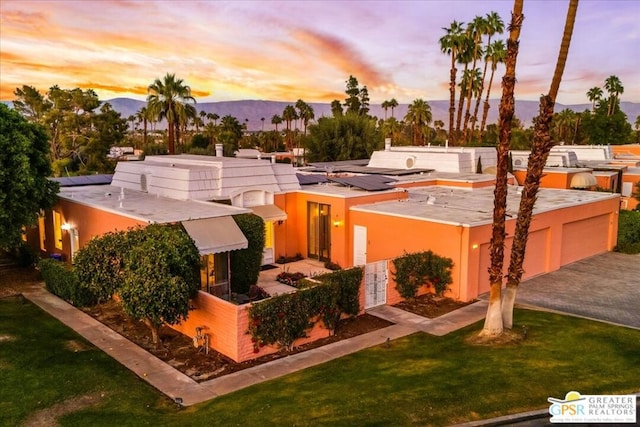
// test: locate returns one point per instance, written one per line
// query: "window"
(57, 229)
(41, 232)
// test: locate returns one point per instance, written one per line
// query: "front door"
(375, 284)
(359, 245)
(319, 231)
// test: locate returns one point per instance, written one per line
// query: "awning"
(269, 212)
(215, 235)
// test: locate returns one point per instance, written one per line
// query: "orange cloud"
(338, 53)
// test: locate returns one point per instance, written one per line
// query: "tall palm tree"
(493, 324)
(473, 80)
(450, 44)
(542, 144)
(464, 57)
(494, 25)
(305, 113)
(393, 104)
(419, 115)
(476, 29)
(144, 116)
(289, 115)
(385, 106)
(613, 85)
(276, 120)
(166, 100)
(594, 94)
(496, 54)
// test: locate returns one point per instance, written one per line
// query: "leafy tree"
(245, 263)
(357, 101)
(336, 108)
(31, 103)
(343, 138)
(160, 276)
(230, 134)
(167, 100)
(600, 128)
(24, 168)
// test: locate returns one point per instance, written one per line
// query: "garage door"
(582, 239)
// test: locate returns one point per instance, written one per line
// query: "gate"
(375, 284)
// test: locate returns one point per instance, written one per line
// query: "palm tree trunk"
(452, 98)
(493, 325)
(474, 118)
(460, 108)
(171, 138)
(486, 107)
(542, 144)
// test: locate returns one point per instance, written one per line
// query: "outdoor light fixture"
(336, 223)
(66, 226)
(474, 246)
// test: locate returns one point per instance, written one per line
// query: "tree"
(594, 94)
(418, 115)
(475, 30)
(473, 80)
(167, 99)
(452, 43)
(24, 168)
(613, 85)
(230, 134)
(31, 104)
(393, 104)
(542, 144)
(276, 120)
(343, 138)
(599, 128)
(160, 276)
(336, 108)
(289, 115)
(493, 321)
(385, 106)
(637, 127)
(496, 54)
(305, 113)
(493, 25)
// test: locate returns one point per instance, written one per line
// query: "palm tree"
(464, 57)
(289, 115)
(143, 116)
(276, 120)
(493, 322)
(613, 85)
(305, 113)
(473, 80)
(393, 104)
(494, 25)
(594, 94)
(213, 117)
(476, 29)
(636, 125)
(419, 115)
(167, 100)
(496, 54)
(385, 106)
(451, 43)
(542, 144)
(262, 120)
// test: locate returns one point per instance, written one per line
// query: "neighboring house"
(405, 199)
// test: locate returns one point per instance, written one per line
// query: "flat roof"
(145, 207)
(338, 190)
(474, 207)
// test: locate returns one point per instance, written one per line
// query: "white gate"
(375, 284)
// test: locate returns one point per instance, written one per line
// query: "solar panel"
(304, 179)
(81, 180)
(368, 183)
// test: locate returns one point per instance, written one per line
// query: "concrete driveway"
(604, 287)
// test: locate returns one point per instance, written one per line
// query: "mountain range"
(255, 110)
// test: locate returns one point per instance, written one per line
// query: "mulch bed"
(431, 306)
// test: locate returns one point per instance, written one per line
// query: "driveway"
(604, 287)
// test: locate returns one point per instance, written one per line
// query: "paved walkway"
(175, 384)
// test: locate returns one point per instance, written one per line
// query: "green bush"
(61, 280)
(245, 263)
(99, 265)
(629, 232)
(422, 268)
(25, 255)
(286, 318)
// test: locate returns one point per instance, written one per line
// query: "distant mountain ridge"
(255, 110)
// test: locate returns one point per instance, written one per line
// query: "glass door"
(319, 231)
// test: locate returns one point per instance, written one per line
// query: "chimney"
(387, 144)
(273, 158)
(219, 152)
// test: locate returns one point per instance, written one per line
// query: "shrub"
(245, 263)
(330, 265)
(422, 268)
(61, 280)
(628, 232)
(286, 318)
(25, 255)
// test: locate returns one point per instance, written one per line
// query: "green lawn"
(418, 380)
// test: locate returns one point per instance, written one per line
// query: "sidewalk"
(177, 385)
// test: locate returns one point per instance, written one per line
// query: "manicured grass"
(418, 380)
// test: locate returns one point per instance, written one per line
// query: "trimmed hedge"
(422, 268)
(62, 281)
(245, 263)
(285, 318)
(628, 232)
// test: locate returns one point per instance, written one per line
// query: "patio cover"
(216, 235)
(269, 212)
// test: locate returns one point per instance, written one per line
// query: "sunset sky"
(286, 50)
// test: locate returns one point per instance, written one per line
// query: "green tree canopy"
(343, 138)
(24, 168)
